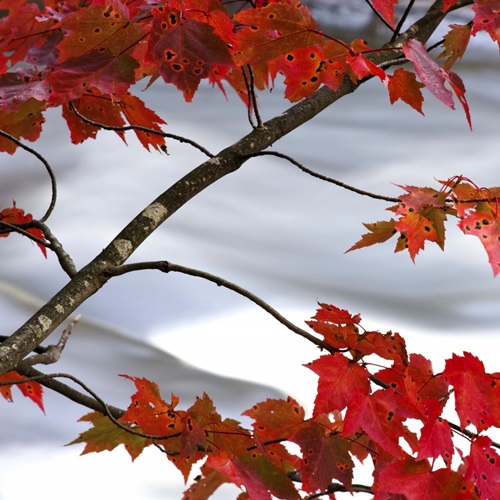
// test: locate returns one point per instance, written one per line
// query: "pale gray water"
(267, 227)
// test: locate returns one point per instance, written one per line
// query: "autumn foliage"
(375, 403)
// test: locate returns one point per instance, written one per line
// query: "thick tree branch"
(91, 278)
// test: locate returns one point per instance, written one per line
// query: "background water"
(269, 228)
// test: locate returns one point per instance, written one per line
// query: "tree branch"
(325, 178)
(167, 267)
(47, 166)
(91, 278)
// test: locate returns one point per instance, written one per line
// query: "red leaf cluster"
(57, 53)
(389, 415)
(422, 212)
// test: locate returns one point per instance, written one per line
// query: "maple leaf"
(338, 379)
(98, 27)
(205, 484)
(435, 436)
(106, 435)
(434, 77)
(24, 121)
(386, 9)
(486, 227)
(416, 481)
(149, 411)
(261, 478)
(476, 392)
(333, 314)
(275, 418)
(273, 30)
(96, 107)
(21, 86)
(30, 389)
(483, 467)
(136, 113)
(455, 43)
(100, 69)
(486, 18)
(184, 51)
(417, 229)
(403, 85)
(16, 216)
(325, 457)
(381, 416)
(378, 233)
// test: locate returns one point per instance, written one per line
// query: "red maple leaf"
(333, 314)
(417, 481)
(338, 379)
(273, 30)
(483, 467)
(434, 77)
(184, 50)
(112, 75)
(381, 416)
(486, 18)
(325, 457)
(403, 85)
(476, 392)
(31, 389)
(149, 411)
(485, 226)
(435, 436)
(16, 217)
(386, 9)
(275, 418)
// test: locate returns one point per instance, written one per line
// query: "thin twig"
(48, 168)
(103, 408)
(406, 13)
(167, 267)
(53, 352)
(325, 178)
(65, 260)
(140, 128)
(17, 229)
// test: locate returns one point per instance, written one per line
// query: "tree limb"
(92, 277)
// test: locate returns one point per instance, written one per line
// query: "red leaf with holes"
(112, 75)
(485, 226)
(418, 229)
(97, 28)
(149, 411)
(486, 18)
(435, 436)
(31, 389)
(325, 457)
(185, 50)
(16, 217)
(417, 481)
(434, 77)
(403, 85)
(273, 30)
(338, 380)
(476, 392)
(276, 418)
(381, 416)
(483, 467)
